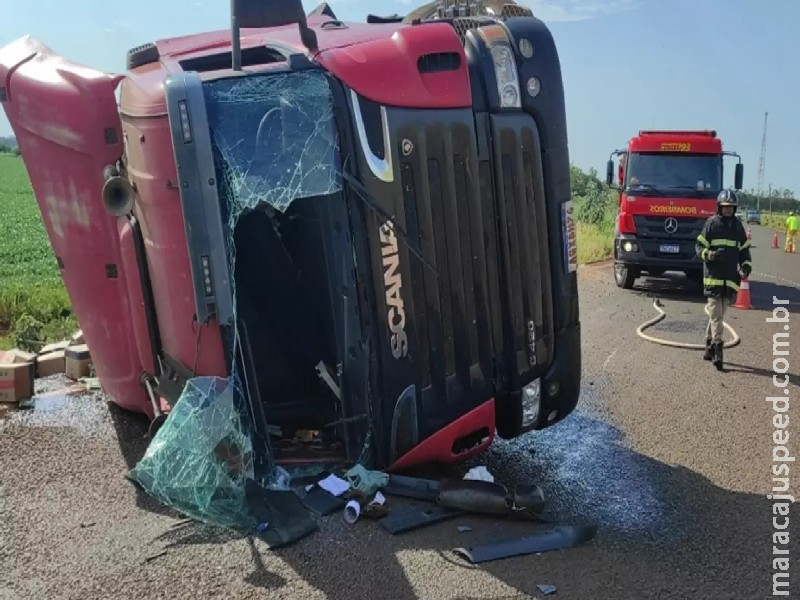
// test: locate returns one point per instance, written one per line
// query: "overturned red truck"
(368, 224)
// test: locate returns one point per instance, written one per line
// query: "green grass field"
(34, 306)
(30, 283)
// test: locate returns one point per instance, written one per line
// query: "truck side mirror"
(610, 173)
(268, 13)
(738, 176)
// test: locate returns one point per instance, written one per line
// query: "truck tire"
(624, 276)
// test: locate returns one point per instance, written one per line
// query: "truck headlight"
(505, 69)
(531, 402)
(505, 65)
(630, 247)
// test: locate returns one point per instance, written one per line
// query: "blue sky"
(627, 64)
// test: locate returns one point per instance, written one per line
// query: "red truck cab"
(366, 228)
(668, 183)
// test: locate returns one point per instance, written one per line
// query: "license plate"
(570, 237)
(670, 248)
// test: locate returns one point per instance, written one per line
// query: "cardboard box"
(16, 357)
(77, 362)
(53, 363)
(16, 382)
(50, 348)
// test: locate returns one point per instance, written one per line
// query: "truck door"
(65, 119)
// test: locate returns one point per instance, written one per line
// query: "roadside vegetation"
(35, 308)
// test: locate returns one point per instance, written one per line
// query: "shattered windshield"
(274, 138)
(675, 174)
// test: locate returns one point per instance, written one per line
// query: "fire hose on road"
(663, 315)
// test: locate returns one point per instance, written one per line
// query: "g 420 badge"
(570, 235)
(532, 343)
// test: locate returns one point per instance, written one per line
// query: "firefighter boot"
(709, 353)
(718, 356)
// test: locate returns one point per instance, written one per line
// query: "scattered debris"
(413, 488)
(546, 588)
(411, 519)
(91, 383)
(323, 503)
(20, 369)
(366, 481)
(492, 498)
(557, 538)
(464, 528)
(155, 556)
(352, 511)
(334, 485)
(480, 474)
(86, 525)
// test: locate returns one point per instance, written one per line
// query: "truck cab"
(668, 183)
(363, 229)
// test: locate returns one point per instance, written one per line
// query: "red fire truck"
(668, 183)
(366, 226)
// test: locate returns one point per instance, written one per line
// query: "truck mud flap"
(286, 520)
(557, 538)
(408, 520)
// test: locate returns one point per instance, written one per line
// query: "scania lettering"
(668, 182)
(360, 223)
(393, 282)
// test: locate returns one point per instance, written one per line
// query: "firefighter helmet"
(727, 198)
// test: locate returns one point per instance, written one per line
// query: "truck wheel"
(624, 276)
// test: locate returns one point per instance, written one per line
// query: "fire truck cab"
(668, 183)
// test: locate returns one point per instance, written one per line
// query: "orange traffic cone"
(743, 296)
(775, 240)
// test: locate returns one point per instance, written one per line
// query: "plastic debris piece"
(546, 588)
(480, 474)
(352, 511)
(379, 499)
(557, 538)
(464, 528)
(334, 485)
(366, 481)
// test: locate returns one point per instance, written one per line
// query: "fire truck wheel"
(625, 276)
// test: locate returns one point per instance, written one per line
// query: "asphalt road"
(670, 458)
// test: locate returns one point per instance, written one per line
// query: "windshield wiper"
(641, 187)
(694, 188)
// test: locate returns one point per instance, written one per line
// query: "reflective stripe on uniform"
(711, 282)
(745, 245)
(724, 242)
(701, 239)
(748, 263)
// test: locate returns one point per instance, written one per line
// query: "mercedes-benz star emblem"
(671, 225)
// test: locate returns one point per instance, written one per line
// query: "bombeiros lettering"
(661, 209)
(393, 285)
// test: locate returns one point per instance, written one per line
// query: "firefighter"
(791, 232)
(725, 251)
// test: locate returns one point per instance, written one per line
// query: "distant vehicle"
(754, 216)
(668, 183)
